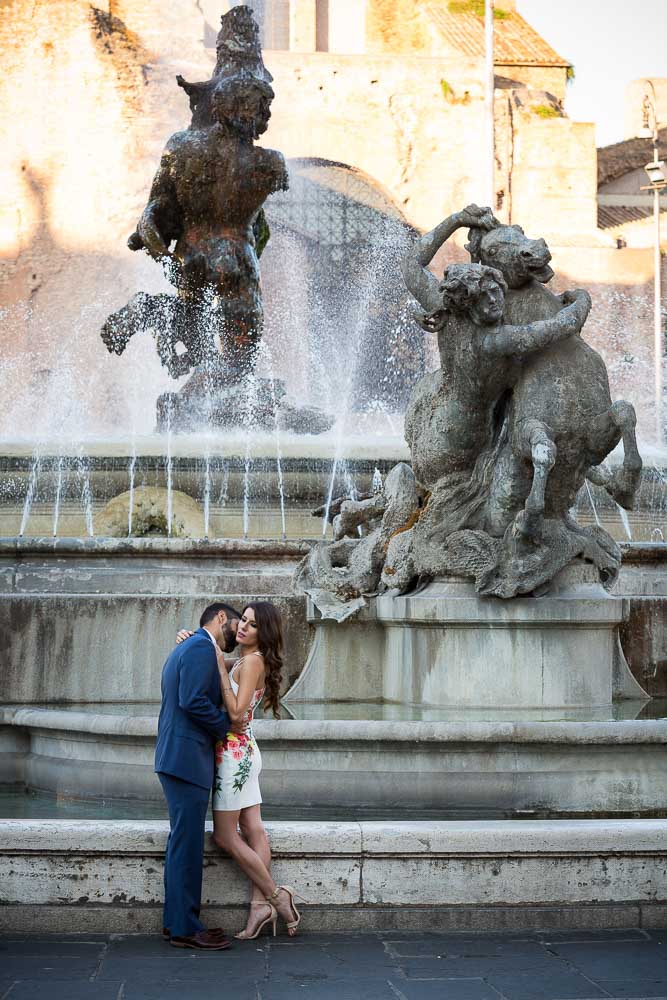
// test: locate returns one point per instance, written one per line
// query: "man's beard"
(228, 638)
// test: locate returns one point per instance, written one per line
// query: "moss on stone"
(476, 7)
(545, 111)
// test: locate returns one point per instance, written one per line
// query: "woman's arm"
(419, 280)
(520, 340)
(237, 705)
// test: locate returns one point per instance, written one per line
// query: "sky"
(609, 43)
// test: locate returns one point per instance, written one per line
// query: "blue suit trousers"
(184, 859)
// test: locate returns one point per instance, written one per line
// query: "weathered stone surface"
(455, 768)
(150, 514)
(93, 648)
(445, 646)
(504, 435)
(104, 868)
(492, 881)
(643, 634)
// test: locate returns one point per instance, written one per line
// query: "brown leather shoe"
(218, 931)
(203, 941)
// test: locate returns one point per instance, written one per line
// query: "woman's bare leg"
(226, 836)
(254, 833)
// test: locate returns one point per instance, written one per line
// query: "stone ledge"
(423, 839)
(32, 919)
(240, 548)
(147, 837)
(625, 731)
(100, 875)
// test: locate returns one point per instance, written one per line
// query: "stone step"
(107, 876)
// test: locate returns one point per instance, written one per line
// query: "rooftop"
(622, 157)
(516, 43)
(615, 216)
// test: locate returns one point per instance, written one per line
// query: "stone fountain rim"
(20, 545)
(305, 837)
(183, 448)
(249, 548)
(624, 731)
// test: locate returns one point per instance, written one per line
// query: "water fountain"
(503, 437)
(89, 617)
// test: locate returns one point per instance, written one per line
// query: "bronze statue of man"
(205, 224)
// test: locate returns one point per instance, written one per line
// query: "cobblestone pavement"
(397, 965)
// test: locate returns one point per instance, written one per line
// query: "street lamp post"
(489, 90)
(657, 183)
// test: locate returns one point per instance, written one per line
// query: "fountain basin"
(497, 769)
(446, 646)
(238, 464)
(93, 619)
(107, 876)
(89, 622)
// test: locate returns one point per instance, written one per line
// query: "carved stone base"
(448, 647)
(209, 401)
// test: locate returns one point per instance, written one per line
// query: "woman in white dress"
(238, 762)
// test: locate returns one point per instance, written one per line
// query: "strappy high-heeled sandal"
(290, 924)
(271, 919)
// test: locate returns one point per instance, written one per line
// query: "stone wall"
(388, 116)
(551, 176)
(107, 876)
(88, 97)
(91, 630)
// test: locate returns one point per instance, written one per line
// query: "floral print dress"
(238, 762)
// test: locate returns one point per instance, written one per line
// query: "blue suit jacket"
(191, 719)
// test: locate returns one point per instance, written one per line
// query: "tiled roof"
(611, 216)
(622, 157)
(515, 42)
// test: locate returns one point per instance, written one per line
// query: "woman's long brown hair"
(270, 643)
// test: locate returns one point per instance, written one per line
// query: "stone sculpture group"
(502, 436)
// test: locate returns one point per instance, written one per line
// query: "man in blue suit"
(190, 722)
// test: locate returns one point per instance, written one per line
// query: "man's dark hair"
(211, 611)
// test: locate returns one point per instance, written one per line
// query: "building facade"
(390, 91)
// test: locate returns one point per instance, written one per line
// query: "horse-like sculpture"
(507, 431)
(561, 418)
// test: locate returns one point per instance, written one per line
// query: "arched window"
(337, 239)
(335, 206)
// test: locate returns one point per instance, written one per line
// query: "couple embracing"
(205, 740)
